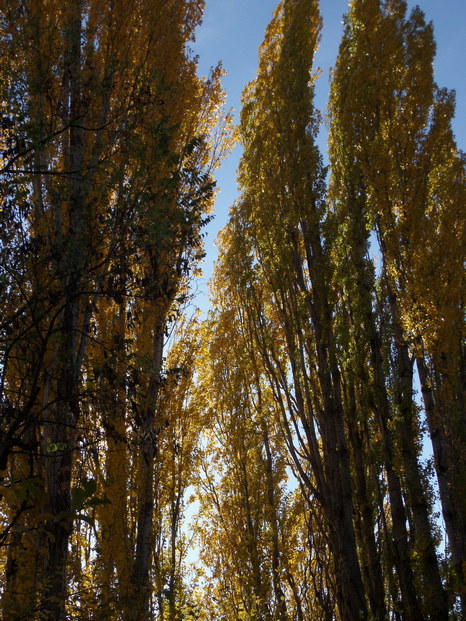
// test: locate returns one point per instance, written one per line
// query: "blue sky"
(232, 32)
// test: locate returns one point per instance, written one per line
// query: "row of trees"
(291, 411)
(336, 298)
(109, 141)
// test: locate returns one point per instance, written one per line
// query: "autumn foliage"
(294, 420)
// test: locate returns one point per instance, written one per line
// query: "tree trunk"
(150, 428)
(60, 433)
(281, 612)
(350, 592)
(435, 598)
(365, 519)
(360, 297)
(448, 483)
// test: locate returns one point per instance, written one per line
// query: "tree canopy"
(281, 440)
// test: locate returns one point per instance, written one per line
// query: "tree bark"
(447, 477)
(150, 428)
